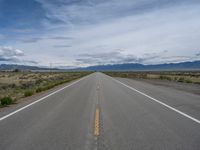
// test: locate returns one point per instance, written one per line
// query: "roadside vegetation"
(16, 85)
(186, 77)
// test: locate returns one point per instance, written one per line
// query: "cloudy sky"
(90, 32)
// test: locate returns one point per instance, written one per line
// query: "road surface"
(102, 113)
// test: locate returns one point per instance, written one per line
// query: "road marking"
(97, 122)
(98, 86)
(18, 110)
(174, 109)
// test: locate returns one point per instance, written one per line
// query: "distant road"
(102, 113)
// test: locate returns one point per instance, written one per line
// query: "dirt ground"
(188, 87)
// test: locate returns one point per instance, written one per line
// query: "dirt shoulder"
(187, 87)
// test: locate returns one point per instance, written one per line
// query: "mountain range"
(195, 65)
(8, 67)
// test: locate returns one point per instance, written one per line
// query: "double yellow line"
(97, 122)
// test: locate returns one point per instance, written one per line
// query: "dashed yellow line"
(97, 122)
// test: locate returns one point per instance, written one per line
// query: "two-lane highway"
(99, 112)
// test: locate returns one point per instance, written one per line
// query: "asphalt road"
(102, 113)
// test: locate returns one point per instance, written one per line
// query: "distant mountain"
(195, 65)
(9, 67)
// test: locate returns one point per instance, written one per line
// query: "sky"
(78, 33)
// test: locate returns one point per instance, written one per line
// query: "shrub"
(39, 90)
(162, 77)
(168, 78)
(16, 70)
(49, 86)
(38, 81)
(188, 81)
(13, 85)
(27, 85)
(181, 79)
(6, 101)
(28, 93)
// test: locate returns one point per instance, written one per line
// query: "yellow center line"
(97, 122)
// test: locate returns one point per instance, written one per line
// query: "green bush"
(188, 81)
(28, 93)
(6, 101)
(16, 70)
(181, 79)
(39, 90)
(162, 77)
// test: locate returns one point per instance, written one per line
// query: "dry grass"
(186, 77)
(21, 84)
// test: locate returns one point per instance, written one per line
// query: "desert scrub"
(28, 93)
(39, 89)
(178, 76)
(188, 81)
(6, 101)
(181, 79)
(163, 77)
(22, 84)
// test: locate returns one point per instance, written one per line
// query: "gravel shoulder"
(186, 87)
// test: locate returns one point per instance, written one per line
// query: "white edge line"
(176, 110)
(18, 110)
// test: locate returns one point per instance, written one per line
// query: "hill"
(9, 67)
(195, 65)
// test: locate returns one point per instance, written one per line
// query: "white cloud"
(138, 27)
(9, 54)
